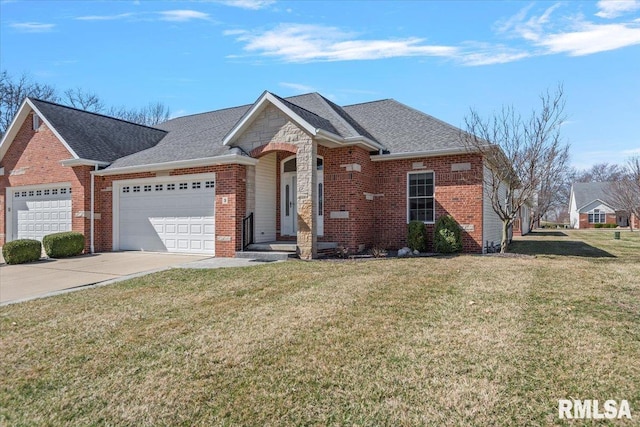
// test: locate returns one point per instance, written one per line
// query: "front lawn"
(463, 340)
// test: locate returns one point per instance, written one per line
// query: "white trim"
(20, 117)
(117, 185)
(417, 154)
(595, 200)
(181, 164)
(8, 216)
(433, 197)
(248, 117)
(83, 162)
(2, 171)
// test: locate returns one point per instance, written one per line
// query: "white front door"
(288, 197)
(289, 208)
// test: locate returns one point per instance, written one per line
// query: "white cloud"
(309, 43)
(572, 35)
(182, 15)
(613, 8)
(104, 17)
(33, 27)
(248, 4)
(298, 87)
(592, 38)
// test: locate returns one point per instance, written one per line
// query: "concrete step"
(266, 256)
(273, 246)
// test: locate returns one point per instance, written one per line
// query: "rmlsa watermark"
(592, 409)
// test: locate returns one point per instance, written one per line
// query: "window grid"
(208, 184)
(195, 185)
(159, 187)
(147, 188)
(47, 192)
(136, 188)
(126, 189)
(171, 187)
(420, 197)
(183, 186)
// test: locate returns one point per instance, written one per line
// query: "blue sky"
(439, 57)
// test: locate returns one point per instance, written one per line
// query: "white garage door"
(161, 216)
(40, 211)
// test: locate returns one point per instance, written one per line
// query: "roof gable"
(94, 136)
(585, 193)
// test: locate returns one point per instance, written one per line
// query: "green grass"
(463, 340)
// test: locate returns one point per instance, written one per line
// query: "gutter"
(416, 154)
(83, 162)
(180, 164)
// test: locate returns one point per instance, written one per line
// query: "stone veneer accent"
(273, 130)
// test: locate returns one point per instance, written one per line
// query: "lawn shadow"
(531, 245)
(550, 233)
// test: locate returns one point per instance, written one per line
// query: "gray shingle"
(189, 137)
(587, 192)
(403, 129)
(96, 137)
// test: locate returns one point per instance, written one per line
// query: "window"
(183, 186)
(136, 188)
(54, 191)
(36, 122)
(46, 192)
(195, 185)
(420, 199)
(208, 184)
(147, 188)
(126, 189)
(171, 187)
(320, 199)
(597, 217)
(38, 192)
(31, 193)
(63, 191)
(17, 194)
(159, 187)
(24, 194)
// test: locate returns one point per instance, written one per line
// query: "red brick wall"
(584, 220)
(34, 158)
(458, 194)
(230, 183)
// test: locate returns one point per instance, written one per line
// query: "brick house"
(590, 203)
(301, 170)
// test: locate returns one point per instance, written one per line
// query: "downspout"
(92, 209)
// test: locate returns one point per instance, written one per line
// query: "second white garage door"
(167, 216)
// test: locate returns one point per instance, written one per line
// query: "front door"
(289, 211)
(288, 197)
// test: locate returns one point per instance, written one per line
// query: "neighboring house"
(304, 169)
(590, 203)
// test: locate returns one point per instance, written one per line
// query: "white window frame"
(602, 216)
(433, 197)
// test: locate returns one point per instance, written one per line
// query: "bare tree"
(600, 172)
(150, 115)
(522, 155)
(625, 191)
(14, 90)
(83, 100)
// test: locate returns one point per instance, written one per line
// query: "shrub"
(21, 251)
(417, 238)
(448, 237)
(62, 245)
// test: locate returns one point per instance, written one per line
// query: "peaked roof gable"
(587, 192)
(95, 136)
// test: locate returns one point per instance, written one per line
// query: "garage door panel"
(39, 212)
(173, 217)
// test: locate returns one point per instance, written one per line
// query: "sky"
(441, 57)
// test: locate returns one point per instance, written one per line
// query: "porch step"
(273, 246)
(266, 255)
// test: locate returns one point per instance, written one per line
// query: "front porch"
(281, 250)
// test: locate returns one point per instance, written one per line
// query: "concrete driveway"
(25, 281)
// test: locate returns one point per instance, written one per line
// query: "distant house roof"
(587, 192)
(389, 124)
(95, 136)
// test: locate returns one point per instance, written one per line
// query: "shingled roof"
(95, 136)
(395, 126)
(587, 192)
(402, 129)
